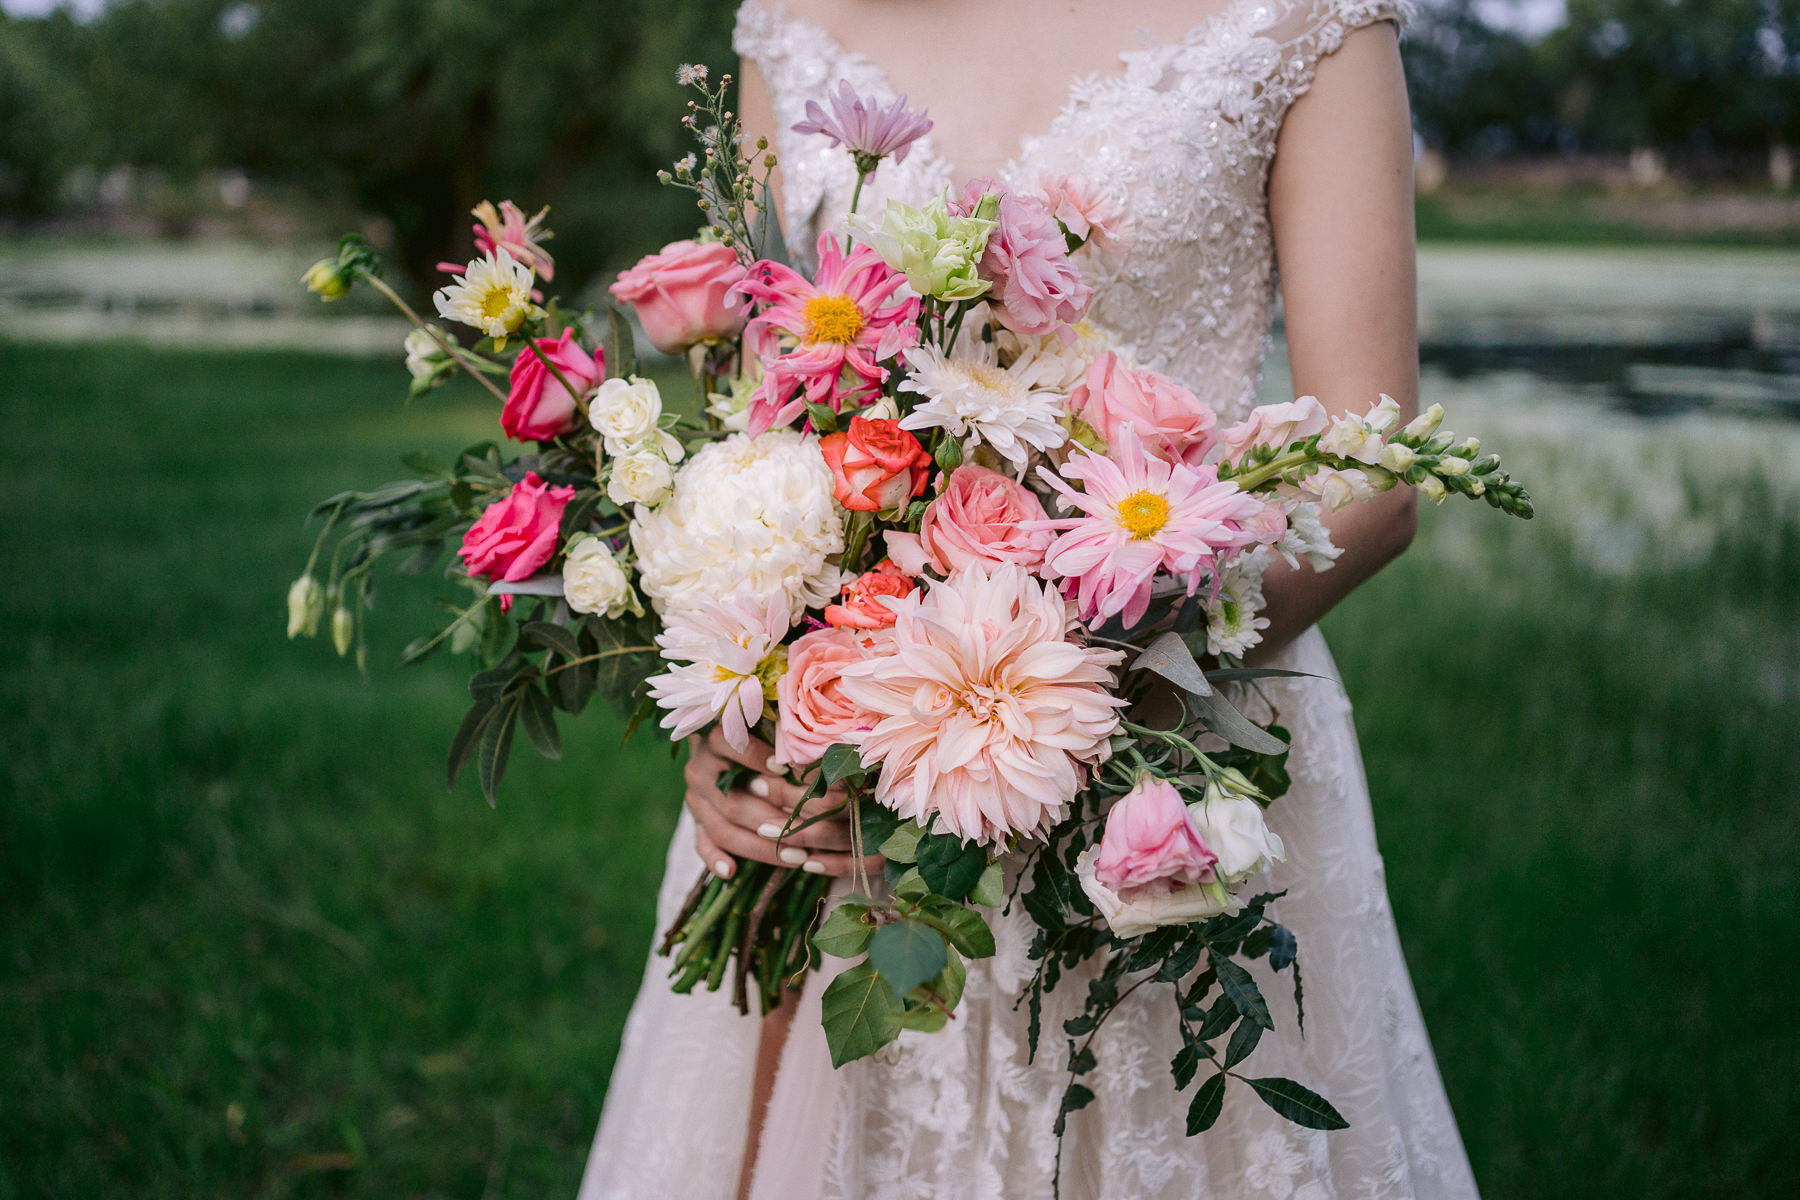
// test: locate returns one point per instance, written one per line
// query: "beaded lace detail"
(1184, 134)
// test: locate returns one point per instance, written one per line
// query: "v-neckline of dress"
(1120, 76)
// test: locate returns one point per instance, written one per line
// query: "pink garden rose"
(516, 536)
(538, 406)
(1172, 423)
(1087, 211)
(979, 517)
(1277, 425)
(682, 294)
(1150, 843)
(1036, 288)
(812, 711)
(876, 465)
(862, 607)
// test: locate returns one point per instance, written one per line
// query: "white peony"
(594, 582)
(641, 477)
(1233, 827)
(1133, 918)
(747, 515)
(626, 413)
(971, 397)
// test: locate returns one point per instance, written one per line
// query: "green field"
(250, 947)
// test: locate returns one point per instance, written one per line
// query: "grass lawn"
(250, 947)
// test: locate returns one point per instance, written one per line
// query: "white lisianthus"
(1151, 909)
(1335, 489)
(594, 582)
(641, 476)
(1362, 438)
(938, 253)
(748, 515)
(493, 295)
(971, 397)
(1234, 828)
(1233, 616)
(626, 412)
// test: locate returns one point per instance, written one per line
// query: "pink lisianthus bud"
(1277, 425)
(1036, 288)
(682, 294)
(876, 465)
(812, 711)
(1150, 843)
(538, 406)
(516, 536)
(979, 518)
(1172, 423)
(862, 607)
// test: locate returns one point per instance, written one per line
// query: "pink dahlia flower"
(1036, 288)
(1150, 843)
(1141, 515)
(985, 710)
(823, 341)
(507, 229)
(725, 659)
(870, 132)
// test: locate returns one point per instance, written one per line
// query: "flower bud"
(328, 278)
(306, 603)
(1450, 466)
(1433, 487)
(343, 629)
(1397, 456)
(1425, 424)
(1470, 448)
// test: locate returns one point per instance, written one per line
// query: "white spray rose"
(640, 477)
(625, 413)
(1151, 910)
(1233, 827)
(594, 582)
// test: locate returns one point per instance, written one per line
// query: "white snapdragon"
(1362, 438)
(1397, 456)
(1307, 538)
(594, 582)
(1335, 489)
(1434, 488)
(1425, 424)
(305, 605)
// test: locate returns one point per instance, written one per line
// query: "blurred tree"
(1476, 88)
(44, 113)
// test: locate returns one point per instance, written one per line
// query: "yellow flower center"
(496, 302)
(1143, 513)
(832, 319)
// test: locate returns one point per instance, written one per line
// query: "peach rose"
(1150, 843)
(812, 712)
(980, 517)
(862, 607)
(1173, 424)
(876, 465)
(682, 294)
(538, 406)
(514, 537)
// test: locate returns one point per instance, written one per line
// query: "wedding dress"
(1184, 135)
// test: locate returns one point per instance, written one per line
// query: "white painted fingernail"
(793, 856)
(722, 868)
(771, 830)
(813, 867)
(759, 787)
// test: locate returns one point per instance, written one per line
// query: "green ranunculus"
(938, 253)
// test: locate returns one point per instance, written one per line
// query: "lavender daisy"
(870, 132)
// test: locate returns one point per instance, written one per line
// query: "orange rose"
(862, 608)
(876, 465)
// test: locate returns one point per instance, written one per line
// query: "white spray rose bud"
(1434, 487)
(1425, 424)
(343, 629)
(625, 412)
(306, 604)
(1450, 466)
(640, 477)
(1396, 457)
(1233, 827)
(594, 582)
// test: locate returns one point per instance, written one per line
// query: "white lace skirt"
(960, 1115)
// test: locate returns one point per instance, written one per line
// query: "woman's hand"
(747, 823)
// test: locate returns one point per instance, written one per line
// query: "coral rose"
(876, 465)
(812, 711)
(516, 536)
(682, 294)
(538, 406)
(862, 607)
(979, 518)
(1172, 423)
(1150, 843)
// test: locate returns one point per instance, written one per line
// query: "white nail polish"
(722, 868)
(771, 830)
(813, 867)
(793, 856)
(759, 787)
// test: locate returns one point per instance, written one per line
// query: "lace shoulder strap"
(1308, 32)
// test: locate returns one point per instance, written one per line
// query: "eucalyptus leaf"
(1170, 657)
(907, 953)
(1226, 721)
(860, 1014)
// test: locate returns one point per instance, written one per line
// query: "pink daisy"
(724, 660)
(1141, 515)
(824, 341)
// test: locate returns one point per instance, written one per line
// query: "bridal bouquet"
(941, 542)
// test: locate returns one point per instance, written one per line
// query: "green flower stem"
(855, 199)
(560, 377)
(1255, 477)
(455, 352)
(588, 658)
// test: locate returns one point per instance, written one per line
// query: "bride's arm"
(1341, 205)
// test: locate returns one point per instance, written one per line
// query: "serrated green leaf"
(1283, 948)
(1301, 1105)
(1243, 1041)
(950, 866)
(1244, 994)
(539, 719)
(845, 932)
(907, 953)
(860, 1014)
(1077, 1097)
(1206, 1106)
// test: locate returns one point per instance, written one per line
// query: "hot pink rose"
(682, 294)
(1277, 425)
(516, 536)
(538, 407)
(1172, 423)
(1086, 211)
(982, 517)
(876, 465)
(862, 607)
(1150, 843)
(812, 712)
(1036, 288)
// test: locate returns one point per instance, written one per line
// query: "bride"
(1235, 136)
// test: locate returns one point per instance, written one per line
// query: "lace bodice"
(1182, 135)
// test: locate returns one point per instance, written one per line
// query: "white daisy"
(975, 399)
(493, 295)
